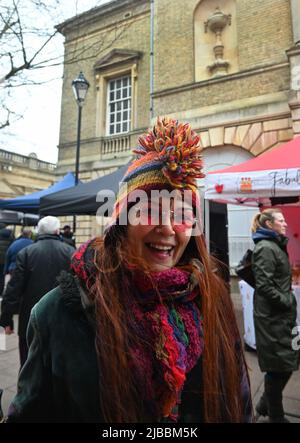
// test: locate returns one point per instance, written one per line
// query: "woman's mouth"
(160, 251)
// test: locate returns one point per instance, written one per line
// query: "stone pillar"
(295, 12)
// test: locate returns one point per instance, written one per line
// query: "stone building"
(229, 67)
(20, 174)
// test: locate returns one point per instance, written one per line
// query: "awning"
(271, 178)
(83, 199)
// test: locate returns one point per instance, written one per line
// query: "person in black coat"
(37, 268)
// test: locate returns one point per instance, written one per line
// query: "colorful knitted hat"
(168, 158)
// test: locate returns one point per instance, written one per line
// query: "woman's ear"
(269, 224)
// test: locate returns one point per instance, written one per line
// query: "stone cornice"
(221, 79)
(294, 50)
(116, 57)
(93, 15)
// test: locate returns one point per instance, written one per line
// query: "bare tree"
(26, 30)
(29, 42)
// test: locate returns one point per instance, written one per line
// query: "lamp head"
(80, 87)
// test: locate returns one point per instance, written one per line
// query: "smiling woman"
(143, 330)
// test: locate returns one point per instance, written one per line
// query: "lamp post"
(80, 87)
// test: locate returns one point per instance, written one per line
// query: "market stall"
(82, 199)
(269, 179)
(272, 179)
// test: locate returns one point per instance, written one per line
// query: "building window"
(119, 105)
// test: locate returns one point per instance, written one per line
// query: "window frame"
(120, 100)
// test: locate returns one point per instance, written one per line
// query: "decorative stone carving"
(216, 24)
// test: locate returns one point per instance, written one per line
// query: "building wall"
(263, 34)
(96, 39)
(253, 104)
(20, 175)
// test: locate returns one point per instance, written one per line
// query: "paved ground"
(9, 366)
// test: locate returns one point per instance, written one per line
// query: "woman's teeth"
(162, 248)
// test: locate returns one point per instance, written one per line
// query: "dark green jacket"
(275, 307)
(60, 379)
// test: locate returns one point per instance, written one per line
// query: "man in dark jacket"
(35, 274)
(275, 310)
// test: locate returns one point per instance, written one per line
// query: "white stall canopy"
(273, 178)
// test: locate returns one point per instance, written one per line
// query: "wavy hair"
(222, 366)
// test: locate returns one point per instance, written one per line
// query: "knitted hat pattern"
(168, 157)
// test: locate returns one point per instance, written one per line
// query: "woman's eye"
(184, 216)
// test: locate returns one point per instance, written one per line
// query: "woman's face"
(279, 224)
(161, 232)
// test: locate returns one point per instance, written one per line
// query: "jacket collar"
(48, 236)
(269, 234)
(75, 297)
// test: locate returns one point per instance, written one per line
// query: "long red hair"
(222, 367)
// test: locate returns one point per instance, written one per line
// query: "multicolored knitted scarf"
(166, 319)
(167, 314)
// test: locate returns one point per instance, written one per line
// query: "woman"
(275, 310)
(144, 329)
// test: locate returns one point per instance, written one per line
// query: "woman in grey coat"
(275, 310)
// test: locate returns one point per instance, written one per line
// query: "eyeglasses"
(152, 215)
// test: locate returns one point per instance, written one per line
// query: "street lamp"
(80, 87)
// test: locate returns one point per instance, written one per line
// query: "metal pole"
(77, 157)
(78, 145)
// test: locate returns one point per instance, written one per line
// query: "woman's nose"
(166, 226)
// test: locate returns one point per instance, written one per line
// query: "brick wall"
(203, 94)
(264, 31)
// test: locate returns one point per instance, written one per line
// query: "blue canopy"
(30, 203)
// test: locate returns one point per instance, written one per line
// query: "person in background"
(6, 238)
(143, 328)
(67, 236)
(275, 310)
(11, 254)
(36, 271)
